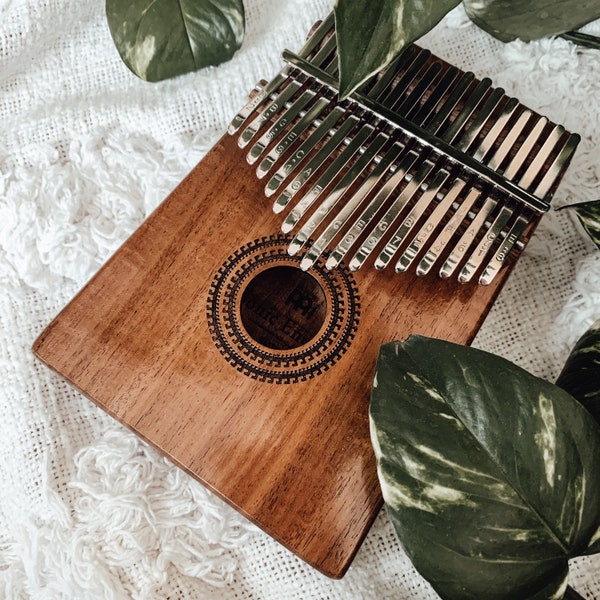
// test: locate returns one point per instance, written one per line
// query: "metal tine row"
(476, 207)
(505, 213)
(358, 166)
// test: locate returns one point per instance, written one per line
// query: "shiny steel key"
(325, 179)
(315, 163)
(478, 256)
(291, 136)
(500, 256)
(331, 200)
(467, 238)
(282, 122)
(304, 150)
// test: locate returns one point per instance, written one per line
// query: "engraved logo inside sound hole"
(283, 308)
(276, 323)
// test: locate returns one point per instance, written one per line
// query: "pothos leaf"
(588, 214)
(511, 19)
(371, 34)
(581, 373)
(489, 473)
(158, 39)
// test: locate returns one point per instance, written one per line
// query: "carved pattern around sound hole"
(262, 361)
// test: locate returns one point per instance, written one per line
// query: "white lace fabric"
(87, 151)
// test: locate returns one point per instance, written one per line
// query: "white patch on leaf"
(545, 439)
(445, 495)
(560, 592)
(422, 383)
(140, 55)
(595, 538)
(398, 496)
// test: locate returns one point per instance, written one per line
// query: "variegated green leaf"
(371, 34)
(588, 214)
(158, 39)
(581, 374)
(490, 475)
(511, 19)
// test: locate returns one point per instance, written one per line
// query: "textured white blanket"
(88, 511)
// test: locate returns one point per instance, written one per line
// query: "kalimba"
(237, 329)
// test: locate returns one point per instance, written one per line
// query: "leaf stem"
(571, 594)
(582, 39)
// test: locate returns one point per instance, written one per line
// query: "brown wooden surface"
(294, 458)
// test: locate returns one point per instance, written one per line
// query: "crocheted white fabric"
(87, 510)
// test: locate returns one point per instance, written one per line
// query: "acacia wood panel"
(295, 458)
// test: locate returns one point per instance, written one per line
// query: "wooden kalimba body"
(237, 329)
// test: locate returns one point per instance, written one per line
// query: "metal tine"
(368, 214)
(315, 162)
(462, 246)
(265, 116)
(429, 226)
(488, 142)
(509, 141)
(334, 168)
(395, 93)
(545, 185)
(315, 39)
(412, 187)
(526, 147)
(541, 157)
(351, 206)
(440, 117)
(467, 110)
(478, 256)
(292, 135)
(284, 120)
(500, 256)
(326, 54)
(444, 237)
(334, 196)
(451, 74)
(305, 148)
(480, 120)
(411, 103)
(412, 218)
(383, 83)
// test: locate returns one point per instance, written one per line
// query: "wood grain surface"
(293, 455)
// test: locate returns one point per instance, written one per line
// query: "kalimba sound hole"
(283, 308)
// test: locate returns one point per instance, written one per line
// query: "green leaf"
(588, 214)
(158, 39)
(581, 374)
(489, 474)
(371, 34)
(511, 19)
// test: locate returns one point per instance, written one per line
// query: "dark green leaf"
(371, 34)
(588, 214)
(490, 474)
(511, 19)
(158, 39)
(581, 374)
